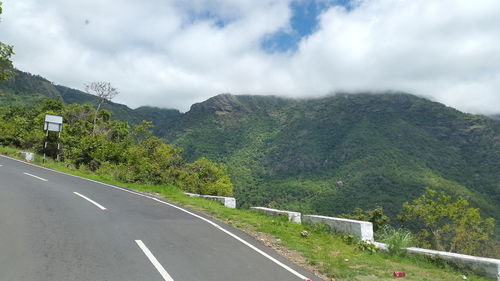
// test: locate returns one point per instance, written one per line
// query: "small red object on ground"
(398, 274)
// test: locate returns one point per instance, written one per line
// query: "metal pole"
(58, 143)
(58, 148)
(45, 145)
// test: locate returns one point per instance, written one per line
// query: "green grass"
(328, 253)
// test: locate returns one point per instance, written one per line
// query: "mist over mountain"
(327, 155)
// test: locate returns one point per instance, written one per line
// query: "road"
(55, 226)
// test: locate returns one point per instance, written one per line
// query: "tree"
(447, 224)
(206, 177)
(6, 51)
(104, 91)
(152, 161)
(375, 216)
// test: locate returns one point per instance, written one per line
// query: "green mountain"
(26, 89)
(163, 119)
(327, 155)
(334, 154)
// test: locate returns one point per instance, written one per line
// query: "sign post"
(52, 123)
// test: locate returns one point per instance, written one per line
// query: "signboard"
(53, 123)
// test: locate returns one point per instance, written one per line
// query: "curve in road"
(56, 226)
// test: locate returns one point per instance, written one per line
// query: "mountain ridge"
(319, 141)
(26, 89)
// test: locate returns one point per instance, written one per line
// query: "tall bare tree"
(104, 91)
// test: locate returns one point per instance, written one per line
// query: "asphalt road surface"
(57, 227)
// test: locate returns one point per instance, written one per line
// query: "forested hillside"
(162, 118)
(25, 89)
(334, 154)
(327, 155)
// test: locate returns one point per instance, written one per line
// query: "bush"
(349, 239)
(375, 216)
(206, 177)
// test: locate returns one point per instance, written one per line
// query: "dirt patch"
(291, 255)
(368, 278)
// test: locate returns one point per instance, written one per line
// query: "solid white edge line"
(36, 177)
(239, 239)
(284, 266)
(154, 261)
(91, 201)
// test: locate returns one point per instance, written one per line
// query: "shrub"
(397, 240)
(446, 223)
(349, 239)
(366, 246)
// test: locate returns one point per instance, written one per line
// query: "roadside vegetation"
(436, 221)
(91, 141)
(448, 224)
(334, 257)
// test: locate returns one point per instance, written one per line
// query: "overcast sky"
(173, 53)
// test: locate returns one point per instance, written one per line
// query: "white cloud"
(445, 49)
(172, 54)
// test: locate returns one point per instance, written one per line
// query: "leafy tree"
(375, 216)
(151, 160)
(142, 131)
(447, 224)
(89, 151)
(120, 132)
(21, 128)
(206, 177)
(6, 51)
(55, 106)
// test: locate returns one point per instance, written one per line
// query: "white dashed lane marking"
(91, 201)
(154, 261)
(36, 177)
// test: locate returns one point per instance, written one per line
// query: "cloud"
(443, 49)
(172, 54)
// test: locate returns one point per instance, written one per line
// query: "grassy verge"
(325, 253)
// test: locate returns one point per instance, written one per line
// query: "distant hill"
(333, 154)
(27, 89)
(163, 119)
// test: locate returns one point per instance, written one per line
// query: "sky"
(173, 53)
